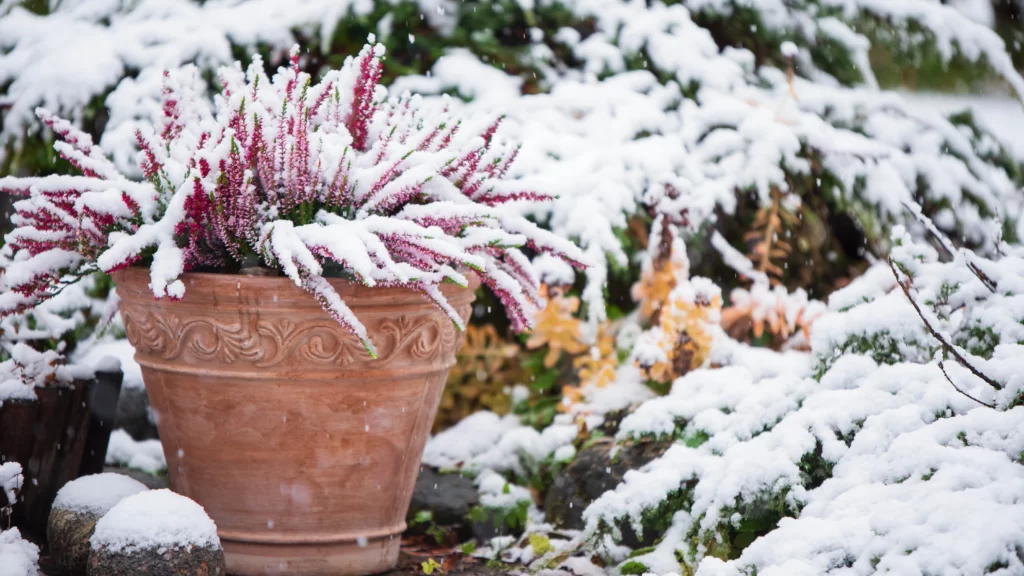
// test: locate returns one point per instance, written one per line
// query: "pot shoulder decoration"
(272, 416)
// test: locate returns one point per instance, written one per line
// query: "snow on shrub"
(11, 480)
(962, 309)
(754, 451)
(669, 103)
(67, 325)
(17, 556)
(313, 179)
(28, 369)
(872, 461)
(954, 485)
(125, 451)
(674, 109)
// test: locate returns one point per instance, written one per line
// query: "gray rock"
(151, 481)
(448, 497)
(181, 561)
(73, 516)
(592, 473)
(134, 414)
(67, 533)
(156, 532)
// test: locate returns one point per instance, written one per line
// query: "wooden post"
(57, 438)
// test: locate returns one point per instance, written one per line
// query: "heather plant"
(321, 179)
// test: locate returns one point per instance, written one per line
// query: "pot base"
(346, 558)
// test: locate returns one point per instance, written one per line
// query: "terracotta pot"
(301, 448)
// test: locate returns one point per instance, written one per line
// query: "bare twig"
(947, 346)
(947, 244)
(957, 388)
(915, 209)
(988, 282)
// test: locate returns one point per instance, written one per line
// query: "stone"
(134, 414)
(156, 532)
(178, 561)
(73, 516)
(592, 473)
(448, 497)
(152, 481)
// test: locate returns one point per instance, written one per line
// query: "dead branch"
(947, 346)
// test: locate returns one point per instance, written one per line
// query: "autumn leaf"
(556, 327)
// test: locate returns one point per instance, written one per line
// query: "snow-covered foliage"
(953, 483)
(636, 99)
(893, 445)
(18, 557)
(28, 369)
(874, 466)
(965, 312)
(81, 50)
(35, 342)
(10, 480)
(154, 520)
(698, 125)
(292, 175)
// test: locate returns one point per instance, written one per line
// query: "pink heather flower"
(290, 174)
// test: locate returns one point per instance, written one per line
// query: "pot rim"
(202, 286)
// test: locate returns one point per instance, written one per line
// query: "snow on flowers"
(332, 178)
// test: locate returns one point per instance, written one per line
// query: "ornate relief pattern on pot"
(266, 343)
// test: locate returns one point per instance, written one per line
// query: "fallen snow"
(121, 351)
(145, 455)
(497, 493)
(18, 557)
(96, 493)
(473, 435)
(153, 520)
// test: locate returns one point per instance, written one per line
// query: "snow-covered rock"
(96, 493)
(156, 532)
(76, 509)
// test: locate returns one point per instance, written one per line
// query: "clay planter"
(302, 449)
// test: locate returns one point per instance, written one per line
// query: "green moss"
(696, 439)
(633, 567)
